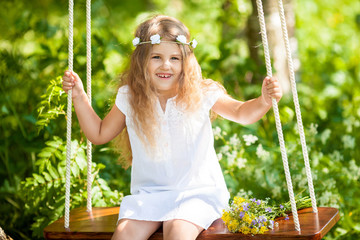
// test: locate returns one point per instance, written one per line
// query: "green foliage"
(253, 166)
(331, 72)
(44, 192)
(50, 107)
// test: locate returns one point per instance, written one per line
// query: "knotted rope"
(88, 91)
(297, 105)
(277, 116)
(68, 123)
(69, 111)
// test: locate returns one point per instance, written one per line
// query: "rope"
(297, 105)
(68, 114)
(277, 117)
(88, 90)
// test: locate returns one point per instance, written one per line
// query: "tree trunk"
(276, 42)
(3, 236)
(254, 40)
(275, 38)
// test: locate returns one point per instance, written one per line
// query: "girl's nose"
(166, 64)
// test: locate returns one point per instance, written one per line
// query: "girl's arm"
(250, 111)
(96, 130)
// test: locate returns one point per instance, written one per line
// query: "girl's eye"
(175, 58)
(156, 57)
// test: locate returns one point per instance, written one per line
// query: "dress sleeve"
(212, 94)
(122, 99)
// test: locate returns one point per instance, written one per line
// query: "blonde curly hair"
(142, 92)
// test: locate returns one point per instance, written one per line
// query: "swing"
(100, 222)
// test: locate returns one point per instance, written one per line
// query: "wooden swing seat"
(100, 224)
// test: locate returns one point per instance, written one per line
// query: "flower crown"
(156, 39)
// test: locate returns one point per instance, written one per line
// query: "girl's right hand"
(71, 81)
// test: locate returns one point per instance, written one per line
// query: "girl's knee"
(122, 231)
(181, 229)
(134, 229)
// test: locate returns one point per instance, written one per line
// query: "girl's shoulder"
(211, 91)
(124, 89)
(122, 99)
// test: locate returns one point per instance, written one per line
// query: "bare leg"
(135, 229)
(181, 229)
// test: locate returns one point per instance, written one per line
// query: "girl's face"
(165, 67)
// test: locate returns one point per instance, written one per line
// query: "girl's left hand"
(271, 89)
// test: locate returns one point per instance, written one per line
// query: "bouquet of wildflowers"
(255, 216)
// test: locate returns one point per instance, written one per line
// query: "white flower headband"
(156, 39)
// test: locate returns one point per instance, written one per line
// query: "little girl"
(164, 104)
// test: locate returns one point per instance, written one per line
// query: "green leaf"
(38, 178)
(75, 170)
(53, 172)
(45, 154)
(54, 144)
(47, 176)
(59, 155)
(81, 161)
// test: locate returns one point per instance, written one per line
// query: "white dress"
(182, 178)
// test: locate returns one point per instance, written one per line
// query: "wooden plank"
(101, 225)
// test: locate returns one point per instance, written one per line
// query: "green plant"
(51, 105)
(44, 192)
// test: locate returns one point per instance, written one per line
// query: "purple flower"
(258, 202)
(246, 206)
(253, 222)
(281, 206)
(242, 214)
(253, 199)
(286, 217)
(262, 219)
(268, 210)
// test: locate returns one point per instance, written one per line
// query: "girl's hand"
(71, 81)
(271, 89)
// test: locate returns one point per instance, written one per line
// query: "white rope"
(277, 117)
(68, 126)
(88, 90)
(297, 105)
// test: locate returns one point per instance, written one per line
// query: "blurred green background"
(325, 37)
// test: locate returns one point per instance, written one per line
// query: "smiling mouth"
(163, 75)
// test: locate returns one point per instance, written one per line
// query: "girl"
(164, 104)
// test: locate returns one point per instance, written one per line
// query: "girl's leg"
(180, 229)
(134, 229)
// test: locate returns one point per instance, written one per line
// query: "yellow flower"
(226, 217)
(263, 229)
(245, 230)
(254, 230)
(247, 218)
(238, 201)
(246, 221)
(233, 226)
